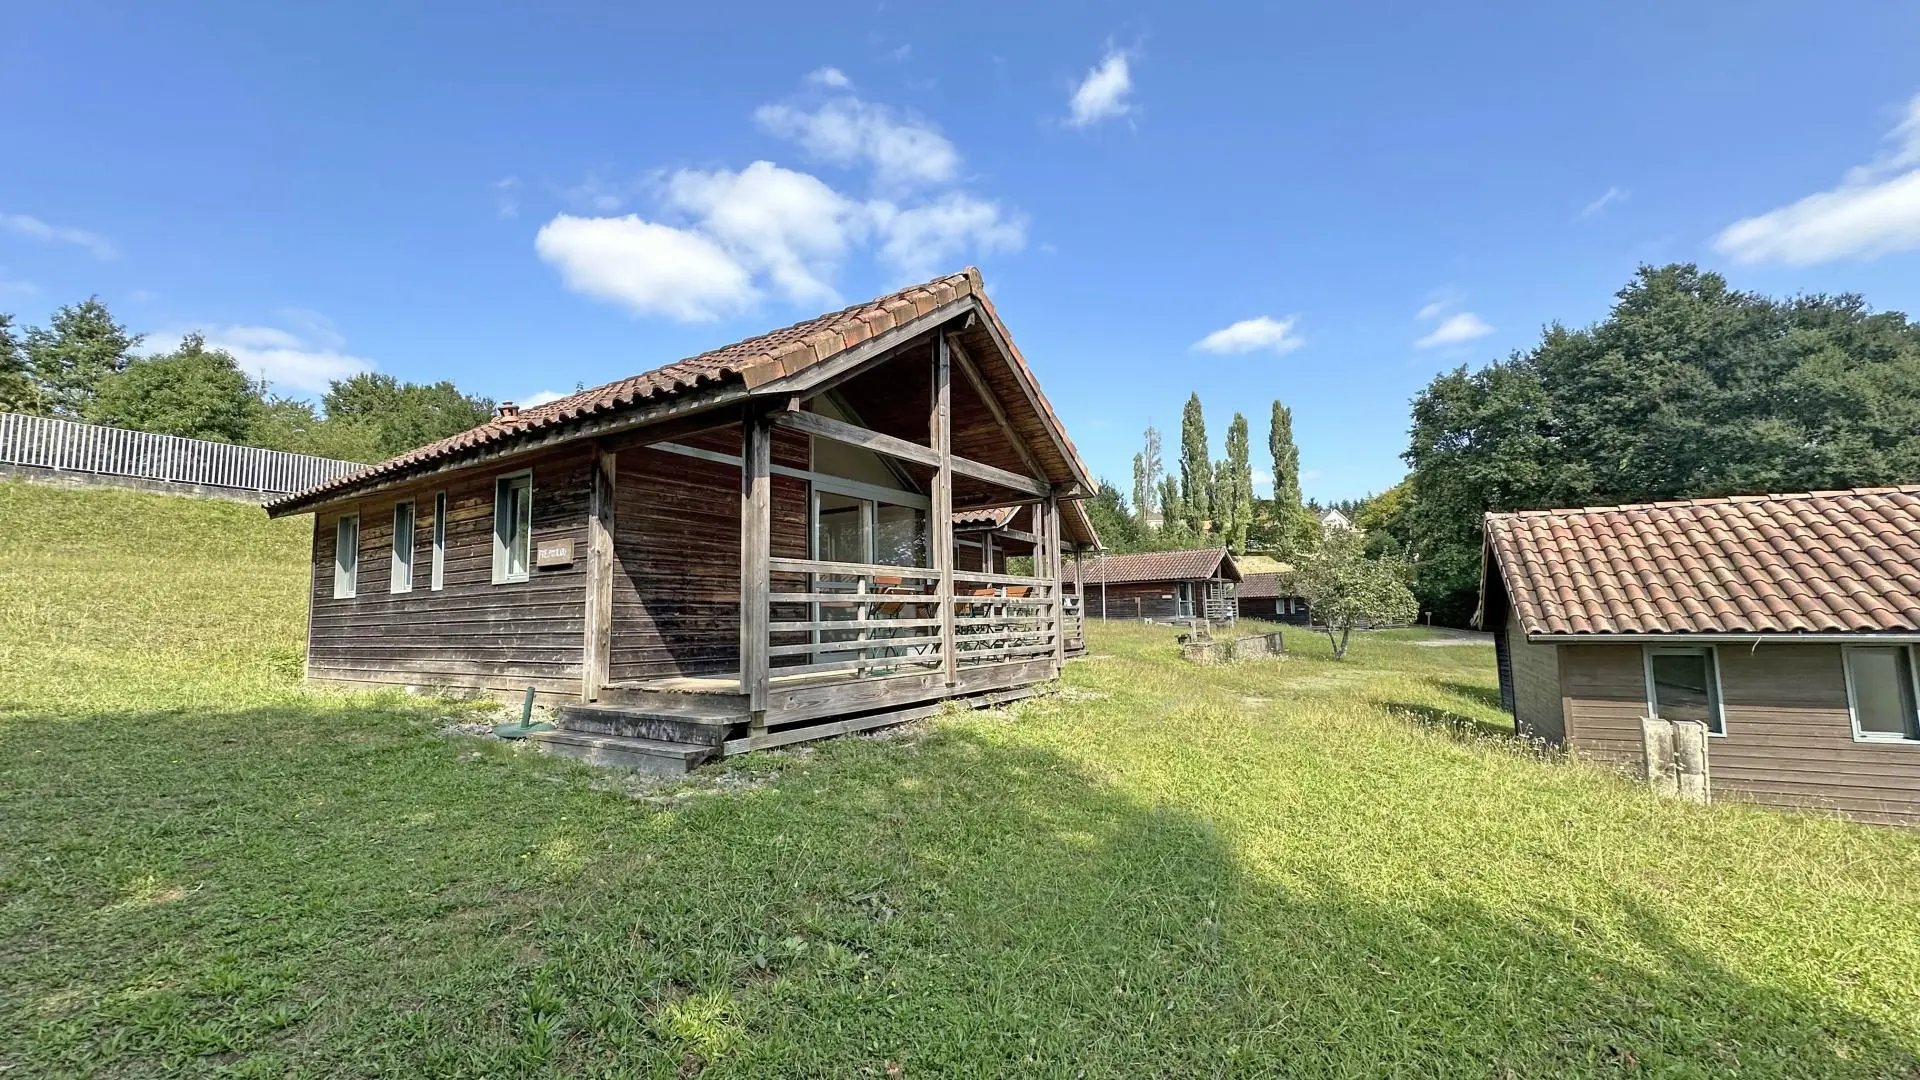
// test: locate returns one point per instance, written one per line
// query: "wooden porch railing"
(868, 619)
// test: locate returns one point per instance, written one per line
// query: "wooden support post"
(940, 434)
(1053, 573)
(756, 529)
(596, 668)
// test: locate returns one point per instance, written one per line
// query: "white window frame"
(1912, 734)
(1183, 600)
(346, 574)
(501, 562)
(438, 580)
(1712, 652)
(400, 574)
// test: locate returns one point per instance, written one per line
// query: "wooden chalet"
(1269, 597)
(1785, 626)
(1157, 586)
(800, 534)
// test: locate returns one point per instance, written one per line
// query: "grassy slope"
(1294, 867)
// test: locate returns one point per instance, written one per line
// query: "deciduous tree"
(1344, 588)
(405, 415)
(1687, 389)
(193, 392)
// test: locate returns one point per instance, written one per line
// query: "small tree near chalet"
(1343, 588)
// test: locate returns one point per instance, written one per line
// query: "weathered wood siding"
(473, 634)
(1136, 600)
(1789, 737)
(1273, 609)
(1537, 707)
(1604, 692)
(676, 544)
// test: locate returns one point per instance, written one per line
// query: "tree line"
(1201, 502)
(83, 366)
(1687, 389)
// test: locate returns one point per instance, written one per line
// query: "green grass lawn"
(1296, 867)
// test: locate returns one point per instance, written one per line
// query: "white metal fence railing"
(66, 446)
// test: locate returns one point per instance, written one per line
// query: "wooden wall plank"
(473, 634)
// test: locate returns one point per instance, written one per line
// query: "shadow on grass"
(1450, 723)
(343, 892)
(1486, 696)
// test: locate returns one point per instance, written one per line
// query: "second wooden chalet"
(795, 535)
(1158, 586)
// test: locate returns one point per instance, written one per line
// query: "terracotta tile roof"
(1828, 561)
(1187, 565)
(1263, 586)
(984, 519)
(751, 362)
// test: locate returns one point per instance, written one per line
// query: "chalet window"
(1183, 600)
(1684, 684)
(512, 527)
(346, 556)
(402, 579)
(439, 580)
(1881, 692)
(900, 535)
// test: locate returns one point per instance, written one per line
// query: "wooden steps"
(644, 755)
(642, 723)
(671, 733)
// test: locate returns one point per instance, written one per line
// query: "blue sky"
(1323, 206)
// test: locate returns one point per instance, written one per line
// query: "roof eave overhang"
(611, 422)
(765, 381)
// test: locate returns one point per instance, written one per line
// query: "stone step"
(637, 723)
(644, 755)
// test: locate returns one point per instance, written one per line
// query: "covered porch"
(895, 540)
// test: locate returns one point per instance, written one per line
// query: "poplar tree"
(1286, 461)
(1196, 468)
(1146, 475)
(1237, 485)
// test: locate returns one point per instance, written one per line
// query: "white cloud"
(849, 131)
(303, 360)
(540, 397)
(1102, 95)
(653, 269)
(719, 240)
(1247, 335)
(831, 77)
(1456, 329)
(919, 239)
(1607, 198)
(506, 196)
(788, 225)
(1874, 211)
(34, 229)
(1433, 309)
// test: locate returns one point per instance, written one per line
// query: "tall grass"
(1294, 867)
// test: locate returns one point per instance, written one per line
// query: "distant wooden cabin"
(1158, 586)
(1786, 624)
(1269, 597)
(798, 534)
